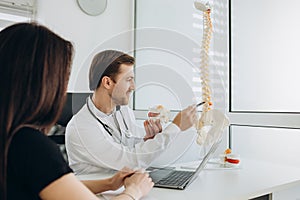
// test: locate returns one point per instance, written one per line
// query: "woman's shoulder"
(31, 136)
(30, 141)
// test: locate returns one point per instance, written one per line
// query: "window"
(167, 49)
(168, 40)
(264, 47)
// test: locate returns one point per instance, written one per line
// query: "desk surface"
(253, 179)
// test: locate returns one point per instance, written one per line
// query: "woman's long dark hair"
(34, 72)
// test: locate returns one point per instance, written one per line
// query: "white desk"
(253, 179)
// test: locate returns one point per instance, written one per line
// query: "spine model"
(205, 81)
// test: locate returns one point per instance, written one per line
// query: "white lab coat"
(91, 149)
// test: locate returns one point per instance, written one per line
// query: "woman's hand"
(118, 179)
(138, 185)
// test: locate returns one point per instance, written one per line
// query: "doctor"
(103, 134)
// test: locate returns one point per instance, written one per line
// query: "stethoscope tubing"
(105, 126)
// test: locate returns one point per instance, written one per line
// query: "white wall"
(87, 32)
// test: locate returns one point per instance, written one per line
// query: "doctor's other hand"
(152, 128)
(186, 118)
(138, 185)
(118, 179)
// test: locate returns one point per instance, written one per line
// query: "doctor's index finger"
(190, 109)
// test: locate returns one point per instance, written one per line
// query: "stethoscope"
(108, 129)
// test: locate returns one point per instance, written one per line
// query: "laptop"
(179, 179)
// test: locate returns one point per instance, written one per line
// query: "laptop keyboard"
(176, 178)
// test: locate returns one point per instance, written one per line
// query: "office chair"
(73, 104)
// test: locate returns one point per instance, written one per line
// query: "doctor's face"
(124, 85)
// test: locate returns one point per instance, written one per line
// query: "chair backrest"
(74, 103)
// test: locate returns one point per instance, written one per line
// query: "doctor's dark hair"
(107, 63)
(34, 71)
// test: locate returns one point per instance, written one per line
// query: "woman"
(34, 70)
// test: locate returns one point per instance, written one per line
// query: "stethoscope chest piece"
(127, 133)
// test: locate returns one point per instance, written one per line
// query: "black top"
(34, 161)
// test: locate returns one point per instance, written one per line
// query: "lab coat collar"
(98, 112)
